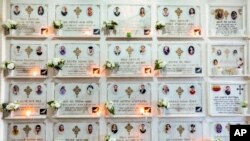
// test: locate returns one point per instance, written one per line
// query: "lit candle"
(142, 111)
(35, 73)
(28, 113)
(96, 71)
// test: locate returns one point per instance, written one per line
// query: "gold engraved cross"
(76, 130)
(27, 130)
(178, 11)
(129, 127)
(77, 52)
(180, 129)
(29, 10)
(129, 50)
(28, 50)
(77, 90)
(226, 14)
(77, 11)
(129, 91)
(179, 51)
(28, 90)
(179, 91)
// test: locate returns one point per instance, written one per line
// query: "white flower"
(11, 66)
(12, 22)
(55, 61)
(57, 104)
(50, 62)
(109, 65)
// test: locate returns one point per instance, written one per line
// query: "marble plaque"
(227, 21)
(184, 98)
(30, 96)
(226, 98)
(30, 59)
(227, 59)
(76, 131)
(179, 20)
(79, 19)
(77, 98)
(132, 58)
(27, 131)
(135, 19)
(181, 59)
(220, 129)
(129, 131)
(180, 130)
(31, 18)
(130, 98)
(80, 59)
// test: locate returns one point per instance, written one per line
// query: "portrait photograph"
(142, 12)
(234, 15)
(192, 128)
(117, 51)
(165, 12)
(117, 11)
(62, 90)
(142, 128)
(16, 10)
(39, 90)
(15, 90)
(90, 128)
(192, 90)
(62, 50)
(219, 14)
(191, 11)
(165, 89)
(142, 89)
(15, 130)
(114, 128)
(89, 11)
(228, 90)
(90, 89)
(167, 128)
(191, 50)
(115, 89)
(90, 50)
(64, 11)
(39, 51)
(142, 50)
(38, 129)
(61, 128)
(166, 50)
(40, 10)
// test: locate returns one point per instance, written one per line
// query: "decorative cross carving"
(180, 129)
(28, 50)
(76, 130)
(226, 14)
(240, 89)
(179, 91)
(227, 51)
(28, 90)
(128, 127)
(27, 130)
(129, 50)
(77, 11)
(179, 51)
(178, 11)
(29, 10)
(77, 52)
(77, 90)
(129, 91)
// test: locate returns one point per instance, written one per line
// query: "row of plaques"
(134, 59)
(129, 98)
(84, 19)
(120, 130)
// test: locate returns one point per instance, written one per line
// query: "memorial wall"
(108, 70)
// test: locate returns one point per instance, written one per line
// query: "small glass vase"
(244, 111)
(58, 32)
(12, 32)
(56, 112)
(161, 111)
(12, 114)
(59, 73)
(11, 72)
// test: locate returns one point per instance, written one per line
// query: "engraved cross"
(179, 91)
(77, 90)
(128, 127)
(77, 11)
(28, 90)
(180, 129)
(76, 130)
(29, 9)
(27, 129)
(28, 50)
(77, 52)
(129, 91)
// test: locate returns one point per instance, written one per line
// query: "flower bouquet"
(110, 107)
(58, 25)
(9, 66)
(10, 26)
(57, 64)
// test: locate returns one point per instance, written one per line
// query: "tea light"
(142, 111)
(96, 71)
(28, 113)
(197, 32)
(147, 71)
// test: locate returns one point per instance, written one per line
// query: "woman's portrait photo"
(235, 52)
(61, 128)
(215, 62)
(192, 128)
(62, 90)
(117, 11)
(62, 50)
(191, 11)
(142, 12)
(167, 128)
(219, 14)
(90, 89)
(218, 128)
(192, 90)
(15, 90)
(64, 11)
(114, 128)
(166, 50)
(165, 12)
(191, 50)
(40, 10)
(89, 11)
(234, 15)
(39, 90)
(16, 10)
(39, 51)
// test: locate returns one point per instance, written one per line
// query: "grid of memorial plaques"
(204, 81)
